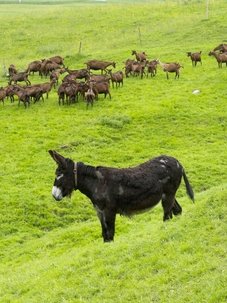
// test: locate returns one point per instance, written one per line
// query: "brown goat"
(140, 57)
(172, 67)
(2, 94)
(220, 57)
(138, 68)
(46, 87)
(99, 78)
(9, 92)
(34, 92)
(12, 70)
(152, 67)
(89, 96)
(195, 57)
(19, 77)
(79, 73)
(99, 65)
(101, 88)
(34, 66)
(116, 77)
(128, 67)
(221, 47)
(22, 95)
(57, 59)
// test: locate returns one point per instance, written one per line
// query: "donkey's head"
(65, 180)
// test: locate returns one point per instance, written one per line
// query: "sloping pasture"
(53, 252)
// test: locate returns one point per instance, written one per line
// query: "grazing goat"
(19, 77)
(221, 47)
(171, 68)
(220, 57)
(195, 57)
(124, 191)
(116, 78)
(152, 68)
(99, 65)
(140, 57)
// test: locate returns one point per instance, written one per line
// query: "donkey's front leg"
(107, 219)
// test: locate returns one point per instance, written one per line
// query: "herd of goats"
(83, 82)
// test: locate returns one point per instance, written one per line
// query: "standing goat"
(220, 57)
(171, 68)
(140, 57)
(195, 57)
(116, 78)
(89, 96)
(152, 67)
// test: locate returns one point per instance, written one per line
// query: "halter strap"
(75, 173)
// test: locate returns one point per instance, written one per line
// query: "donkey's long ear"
(59, 159)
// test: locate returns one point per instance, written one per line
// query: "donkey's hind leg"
(167, 204)
(177, 209)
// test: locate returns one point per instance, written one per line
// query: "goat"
(99, 65)
(19, 77)
(55, 74)
(22, 95)
(140, 57)
(48, 67)
(128, 67)
(2, 94)
(138, 68)
(116, 78)
(89, 96)
(220, 57)
(171, 68)
(221, 47)
(12, 70)
(99, 78)
(35, 92)
(195, 57)
(79, 73)
(152, 67)
(34, 66)
(57, 59)
(61, 92)
(101, 87)
(9, 92)
(46, 87)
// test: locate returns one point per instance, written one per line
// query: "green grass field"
(53, 252)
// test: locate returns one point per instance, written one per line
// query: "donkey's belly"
(138, 206)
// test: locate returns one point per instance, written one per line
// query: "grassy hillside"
(53, 252)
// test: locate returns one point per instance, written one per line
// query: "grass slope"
(150, 261)
(53, 252)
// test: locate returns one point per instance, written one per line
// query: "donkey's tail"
(188, 187)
